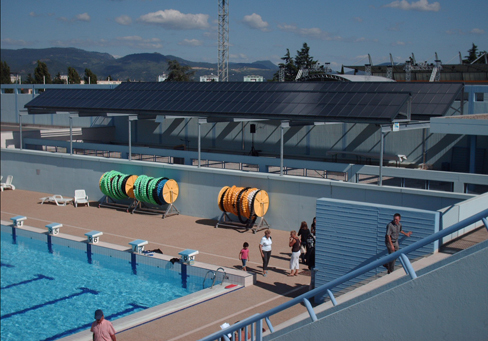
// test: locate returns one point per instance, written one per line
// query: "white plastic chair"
(8, 184)
(80, 197)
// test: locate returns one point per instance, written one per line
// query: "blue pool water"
(51, 291)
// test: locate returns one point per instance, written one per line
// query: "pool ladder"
(214, 274)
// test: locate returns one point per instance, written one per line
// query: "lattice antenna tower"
(223, 64)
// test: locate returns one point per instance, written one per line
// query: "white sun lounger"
(57, 199)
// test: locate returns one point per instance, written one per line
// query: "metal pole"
(130, 140)
(199, 142)
(20, 129)
(70, 135)
(380, 182)
(281, 151)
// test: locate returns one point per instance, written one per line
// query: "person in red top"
(102, 329)
(244, 255)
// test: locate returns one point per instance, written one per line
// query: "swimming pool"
(51, 286)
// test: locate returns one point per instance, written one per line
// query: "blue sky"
(339, 32)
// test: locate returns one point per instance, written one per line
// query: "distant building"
(162, 78)
(253, 78)
(209, 78)
(15, 78)
(109, 82)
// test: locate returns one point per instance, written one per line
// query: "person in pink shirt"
(244, 255)
(102, 329)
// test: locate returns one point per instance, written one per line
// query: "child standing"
(244, 255)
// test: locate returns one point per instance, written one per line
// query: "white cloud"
(314, 32)
(15, 42)
(398, 43)
(34, 14)
(139, 42)
(358, 19)
(123, 20)
(477, 31)
(191, 42)
(255, 21)
(173, 19)
(421, 5)
(82, 17)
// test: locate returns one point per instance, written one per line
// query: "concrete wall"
(292, 199)
(448, 301)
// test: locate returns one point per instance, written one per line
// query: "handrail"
(326, 288)
(205, 278)
(215, 276)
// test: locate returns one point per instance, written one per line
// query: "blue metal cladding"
(351, 234)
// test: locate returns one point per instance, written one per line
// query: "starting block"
(93, 236)
(138, 245)
(53, 228)
(18, 220)
(188, 256)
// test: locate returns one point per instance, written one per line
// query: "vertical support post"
(407, 266)
(284, 124)
(70, 135)
(130, 119)
(485, 221)
(20, 128)
(200, 122)
(310, 310)
(382, 147)
(130, 140)
(332, 298)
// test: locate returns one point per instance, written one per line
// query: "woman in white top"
(265, 248)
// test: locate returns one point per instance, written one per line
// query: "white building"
(209, 78)
(162, 78)
(253, 78)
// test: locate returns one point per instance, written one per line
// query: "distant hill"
(137, 67)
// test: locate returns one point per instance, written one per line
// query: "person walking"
(244, 255)
(294, 243)
(304, 233)
(265, 249)
(102, 329)
(393, 230)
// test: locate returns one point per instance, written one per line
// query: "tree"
(30, 79)
(473, 54)
(290, 69)
(179, 73)
(5, 73)
(73, 76)
(58, 80)
(302, 60)
(41, 74)
(90, 77)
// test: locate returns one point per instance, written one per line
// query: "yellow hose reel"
(244, 202)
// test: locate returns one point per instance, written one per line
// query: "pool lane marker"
(83, 291)
(36, 278)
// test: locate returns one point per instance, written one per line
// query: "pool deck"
(174, 234)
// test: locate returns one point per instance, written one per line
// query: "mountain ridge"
(136, 67)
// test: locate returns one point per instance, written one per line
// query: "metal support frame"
(226, 221)
(382, 148)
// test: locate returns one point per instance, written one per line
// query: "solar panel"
(349, 101)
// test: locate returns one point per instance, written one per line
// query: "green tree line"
(42, 75)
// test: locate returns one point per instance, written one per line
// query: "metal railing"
(254, 323)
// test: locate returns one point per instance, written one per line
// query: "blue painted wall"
(351, 234)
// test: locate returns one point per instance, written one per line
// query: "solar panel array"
(317, 101)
